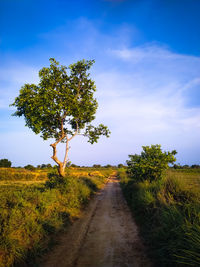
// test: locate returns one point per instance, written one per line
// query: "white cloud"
(148, 52)
(141, 93)
(145, 101)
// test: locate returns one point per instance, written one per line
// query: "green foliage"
(151, 164)
(168, 212)
(60, 101)
(93, 133)
(122, 175)
(108, 166)
(61, 105)
(192, 167)
(190, 255)
(5, 163)
(120, 166)
(44, 166)
(29, 167)
(96, 166)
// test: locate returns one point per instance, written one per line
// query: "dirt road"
(106, 236)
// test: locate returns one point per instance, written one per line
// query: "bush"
(29, 167)
(5, 163)
(151, 164)
(120, 166)
(96, 166)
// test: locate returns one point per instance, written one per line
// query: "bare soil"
(105, 236)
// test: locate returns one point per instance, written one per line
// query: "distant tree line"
(7, 163)
(179, 166)
(42, 166)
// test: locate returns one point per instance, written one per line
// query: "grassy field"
(20, 174)
(32, 211)
(168, 212)
(17, 175)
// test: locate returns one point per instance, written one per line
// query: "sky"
(147, 74)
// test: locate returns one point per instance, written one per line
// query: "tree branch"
(76, 132)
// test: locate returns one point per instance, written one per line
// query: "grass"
(31, 213)
(168, 212)
(20, 174)
(13, 174)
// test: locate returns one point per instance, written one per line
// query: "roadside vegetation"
(166, 206)
(31, 214)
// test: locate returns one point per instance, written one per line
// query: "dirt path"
(106, 236)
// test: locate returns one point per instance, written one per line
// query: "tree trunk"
(62, 165)
(61, 170)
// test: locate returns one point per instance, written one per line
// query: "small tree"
(5, 163)
(108, 166)
(29, 167)
(96, 166)
(61, 105)
(120, 166)
(151, 164)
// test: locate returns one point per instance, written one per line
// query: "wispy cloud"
(148, 51)
(12, 77)
(143, 93)
(146, 100)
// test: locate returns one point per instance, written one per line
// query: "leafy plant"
(29, 167)
(5, 163)
(151, 164)
(61, 105)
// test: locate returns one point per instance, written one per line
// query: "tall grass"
(168, 212)
(21, 174)
(29, 215)
(12, 174)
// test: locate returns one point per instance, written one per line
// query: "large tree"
(61, 106)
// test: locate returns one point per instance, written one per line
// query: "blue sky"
(147, 73)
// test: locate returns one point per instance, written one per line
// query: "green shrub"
(151, 164)
(29, 167)
(5, 163)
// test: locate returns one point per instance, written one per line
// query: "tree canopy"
(61, 105)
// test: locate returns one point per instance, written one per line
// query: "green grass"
(168, 212)
(31, 214)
